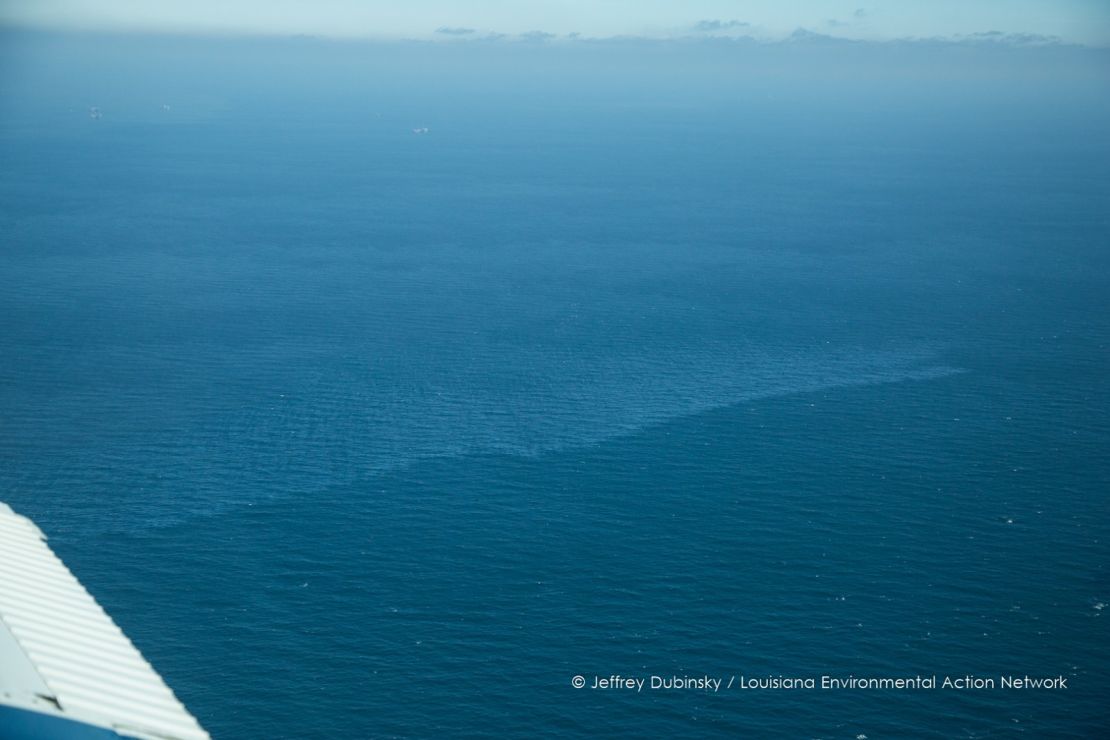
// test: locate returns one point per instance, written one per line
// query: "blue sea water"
(358, 432)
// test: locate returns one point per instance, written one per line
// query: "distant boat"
(422, 130)
(95, 113)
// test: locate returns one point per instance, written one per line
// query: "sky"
(1072, 21)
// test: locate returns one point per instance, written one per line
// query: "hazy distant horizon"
(1085, 22)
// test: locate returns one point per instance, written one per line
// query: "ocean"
(363, 432)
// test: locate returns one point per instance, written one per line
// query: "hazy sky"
(1078, 21)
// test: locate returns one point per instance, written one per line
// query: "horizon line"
(444, 35)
